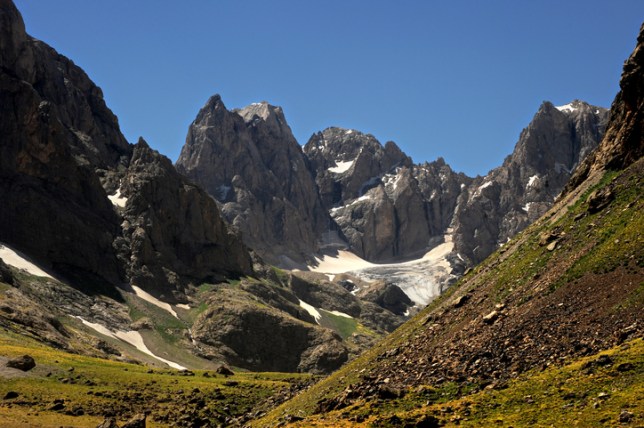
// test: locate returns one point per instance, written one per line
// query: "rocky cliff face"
(385, 206)
(250, 162)
(63, 153)
(372, 195)
(509, 198)
(172, 231)
(623, 144)
(53, 123)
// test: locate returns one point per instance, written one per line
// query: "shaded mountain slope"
(62, 153)
(567, 287)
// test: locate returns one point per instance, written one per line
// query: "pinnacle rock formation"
(249, 161)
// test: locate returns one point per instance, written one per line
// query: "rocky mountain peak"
(14, 54)
(211, 113)
(250, 162)
(262, 110)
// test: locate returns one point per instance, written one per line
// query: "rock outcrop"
(172, 231)
(625, 131)
(372, 196)
(509, 198)
(249, 161)
(263, 339)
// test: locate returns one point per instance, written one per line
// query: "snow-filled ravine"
(132, 337)
(421, 279)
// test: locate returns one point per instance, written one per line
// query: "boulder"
(24, 363)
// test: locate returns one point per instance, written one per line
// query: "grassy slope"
(589, 247)
(100, 387)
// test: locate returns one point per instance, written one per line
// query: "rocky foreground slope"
(516, 341)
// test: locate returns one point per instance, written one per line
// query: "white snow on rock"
(97, 327)
(117, 200)
(17, 260)
(330, 276)
(151, 299)
(340, 314)
(341, 167)
(566, 108)
(532, 181)
(132, 337)
(526, 207)
(421, 279)
(311, 310)
(353, 202)
(343, 261)
(478, 191)
(135, 339)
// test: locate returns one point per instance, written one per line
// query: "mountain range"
(259, 254)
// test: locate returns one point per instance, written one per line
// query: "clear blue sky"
(450, 78)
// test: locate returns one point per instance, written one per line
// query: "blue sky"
(457, 79)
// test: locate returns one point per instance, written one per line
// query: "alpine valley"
(258, 282)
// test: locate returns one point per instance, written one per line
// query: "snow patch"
(311, 310)
(135, 339)
(151, 299)
(566, 108)
(17, 260)
(132, 337)
(421, 279)
(97, 327)
(532, 180)
(478, 191)
(340, 314)
(344, 261)
(526, 207)
(341, 167)
(117, 200)
(183, 306)
(330, 276)
(353, 202)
